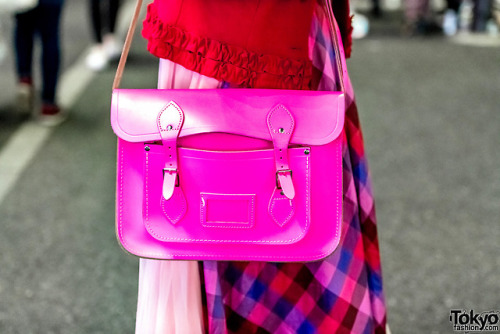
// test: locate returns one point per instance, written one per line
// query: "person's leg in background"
(49, 19)
(482, 12)
(96, 20)
(105, 47)
(111, 44)
(24, 32)
(96, 59)
(114, 5)
(376, 10)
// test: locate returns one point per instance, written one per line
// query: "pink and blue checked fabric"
(341, 294)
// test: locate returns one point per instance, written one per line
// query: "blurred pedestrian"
(482, 14)
(103, 15)
(419, 19)
(341, 293)
(43, 20)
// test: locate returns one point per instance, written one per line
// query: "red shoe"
(51, 115)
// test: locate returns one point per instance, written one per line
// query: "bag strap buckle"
(171, 171)
(281, 124)
(169, 121)
(284, 171)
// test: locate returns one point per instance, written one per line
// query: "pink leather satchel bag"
(228, 174)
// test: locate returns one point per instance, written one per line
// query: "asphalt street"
(430, 110)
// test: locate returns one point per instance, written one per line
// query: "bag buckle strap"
(278, 185)
(169, 121)
(170, 171)
(281, 124)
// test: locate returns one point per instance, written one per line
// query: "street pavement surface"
(430, 110)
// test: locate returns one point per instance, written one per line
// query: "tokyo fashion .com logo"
(470, 321)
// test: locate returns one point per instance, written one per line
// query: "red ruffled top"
(229, 62)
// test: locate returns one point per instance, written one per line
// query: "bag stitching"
(292, 212)
(171, 103)
(181, 213)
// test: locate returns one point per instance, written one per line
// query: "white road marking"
(24, 144)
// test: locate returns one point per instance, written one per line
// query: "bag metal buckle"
(283, 171)
(173, 170)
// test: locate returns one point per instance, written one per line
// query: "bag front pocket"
(226, 197)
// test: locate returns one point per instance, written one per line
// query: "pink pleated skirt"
(169, 300)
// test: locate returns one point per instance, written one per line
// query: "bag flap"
(319, 116)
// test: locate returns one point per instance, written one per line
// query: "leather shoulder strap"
(126, 45)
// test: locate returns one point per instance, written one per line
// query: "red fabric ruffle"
(222, 61)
